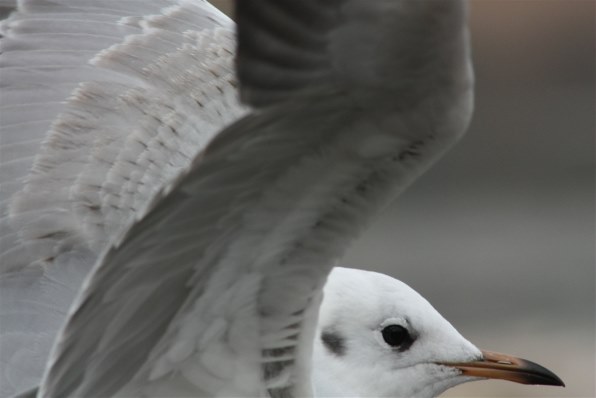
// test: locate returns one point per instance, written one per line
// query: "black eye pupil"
(396, 335)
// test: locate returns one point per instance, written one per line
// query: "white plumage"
(210, 245)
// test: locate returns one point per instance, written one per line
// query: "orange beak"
(494, 365)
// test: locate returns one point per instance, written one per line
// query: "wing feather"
(243, 241)
(213, 260)
(88, 136)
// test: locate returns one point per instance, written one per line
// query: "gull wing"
(215, 290)
(102, 104)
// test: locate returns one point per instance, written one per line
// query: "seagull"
(177, 190)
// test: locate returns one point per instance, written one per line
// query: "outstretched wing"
(215, 291)
(103, 103)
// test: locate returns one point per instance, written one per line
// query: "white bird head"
(378, 337)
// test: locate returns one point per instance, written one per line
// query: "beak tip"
(557, 382)
(539, 375)
(542, 380)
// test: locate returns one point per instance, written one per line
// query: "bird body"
(205, 229)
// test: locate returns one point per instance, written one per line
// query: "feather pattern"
(213, 251)
(237, 243)
(97, 115)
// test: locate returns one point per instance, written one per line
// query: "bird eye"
(397, 336)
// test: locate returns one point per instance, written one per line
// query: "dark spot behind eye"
(334, 342)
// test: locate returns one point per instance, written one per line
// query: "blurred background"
(500, 234)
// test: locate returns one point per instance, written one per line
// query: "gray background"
(499, 235)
